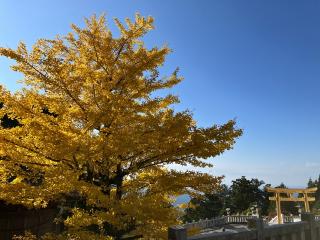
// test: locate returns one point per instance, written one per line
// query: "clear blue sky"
(256, 61)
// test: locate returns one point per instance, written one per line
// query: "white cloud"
(312, 164)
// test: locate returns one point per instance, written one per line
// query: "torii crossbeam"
(290, 191)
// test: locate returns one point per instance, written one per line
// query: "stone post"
(311, 233)
(177, 233)
(257, 224)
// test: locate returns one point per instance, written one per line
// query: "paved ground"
(227, 228)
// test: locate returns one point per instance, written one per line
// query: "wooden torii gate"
(306, 199)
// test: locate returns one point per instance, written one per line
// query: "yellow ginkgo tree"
(91, 123)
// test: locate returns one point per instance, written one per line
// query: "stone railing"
(217, 222)
(307, 229)
(238, 219)
(206, 223)
(288, 219)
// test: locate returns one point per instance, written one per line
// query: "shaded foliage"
(315, 206)
(211, 205)
(245, 193)
(239, 198)
(6, 121)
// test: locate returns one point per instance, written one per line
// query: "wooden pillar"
(306, 202)
(278, 205)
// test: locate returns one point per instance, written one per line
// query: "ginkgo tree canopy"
(90, 123)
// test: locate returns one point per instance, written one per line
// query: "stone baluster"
(177, 233)
(311, 233)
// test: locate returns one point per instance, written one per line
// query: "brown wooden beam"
(293, 199)
(292, 190)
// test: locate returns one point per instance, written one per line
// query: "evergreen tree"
(211, 205)
(245, 193)
(315, 206)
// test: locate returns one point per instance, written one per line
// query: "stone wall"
(307, 229)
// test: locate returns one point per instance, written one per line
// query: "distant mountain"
(185, 198)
